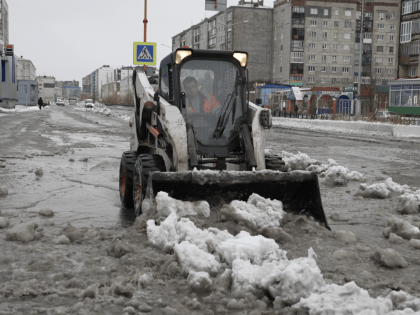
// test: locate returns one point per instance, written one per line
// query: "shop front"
(404, 96)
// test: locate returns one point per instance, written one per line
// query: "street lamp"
(227, 30)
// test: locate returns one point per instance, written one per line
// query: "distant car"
(387, 115)
(60, 102)
(89, 103)
(73, 101)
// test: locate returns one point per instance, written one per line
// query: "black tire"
(128, 160)
(275, 163)
(145, 164)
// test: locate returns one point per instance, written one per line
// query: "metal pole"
(145, 21)
(359, 83)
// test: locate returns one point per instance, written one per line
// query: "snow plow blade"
(297, 190)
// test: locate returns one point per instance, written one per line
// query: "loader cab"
(206, 85)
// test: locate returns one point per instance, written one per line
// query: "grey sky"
(69, 39)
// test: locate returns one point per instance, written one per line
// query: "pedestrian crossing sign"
(144, 53)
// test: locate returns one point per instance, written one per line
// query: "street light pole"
(145, 21)
(359, 81)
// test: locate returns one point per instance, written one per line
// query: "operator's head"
(190, 86)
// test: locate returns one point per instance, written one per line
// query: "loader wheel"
(275, 163)
(145, 164)
(128, 160)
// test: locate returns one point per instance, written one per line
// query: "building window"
(325, 23)
(212, 41)
(378, 71)
(314, 11)
(378, 59)
(325, 11)
(324, 57)
(311, 68)
(311, 80)
(356, 80)
(335, 23)
(297, 57)
(381, 15)
(367, 35)
(346, 47)
(323, 69)
(324, 34)
(378, 81)
(380, 37)
(365, 80)
(391, 49)
(346, 58)
(390, 60)
(413, 71)
(389, 71)
(229, 15)
(347, 36)
(407, 7)
(347, 24)
(345, 69)
(312, 34)
(322, 80)
(336, 12)
(312, 57)
(392, 15)
(312, 45)
(335, 35)
(333, 80)
(335, 46)
(345, 80)
(334, 69)
(347, 12)
(379, 48)
(392, 26)
(391, 38)
(196, 38)
(229, 46)
(324, 46)
(405, 32)
(414, 46)
(334, 58)
(381, 26)
(298, 9)
(197, 46)
(281, 47)
(313, 22)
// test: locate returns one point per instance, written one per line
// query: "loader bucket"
(297, 190)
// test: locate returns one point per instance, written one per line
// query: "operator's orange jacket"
(207, 105)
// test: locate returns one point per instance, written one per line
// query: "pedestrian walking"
(40, 103)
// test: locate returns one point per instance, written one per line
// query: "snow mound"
(409, 203)
(346, 299)
(24, 232)
(3, 191)
(199, 281)
(4, 223)
(402, 228)
(247, 247)
(340, 175)
(191, 258)
(167, 205)
(389, 257)
(318, 169)
(257, 212)
(300, 161)
(382, 190)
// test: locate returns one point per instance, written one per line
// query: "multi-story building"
(46, 88)
(316, 43)
(242, 28)
(4, 24)
(122, 73)
(25, 69)
(60, 84)
(92, 83)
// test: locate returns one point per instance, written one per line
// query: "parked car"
(60, 102)
(89, 103)
(73, 101)
(387, 115)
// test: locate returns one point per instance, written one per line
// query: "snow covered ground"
(245, 257)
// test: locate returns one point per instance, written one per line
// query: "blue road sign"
(144, 53)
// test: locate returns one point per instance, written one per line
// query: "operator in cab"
(199, 102)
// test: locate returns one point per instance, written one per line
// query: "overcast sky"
(70, 39)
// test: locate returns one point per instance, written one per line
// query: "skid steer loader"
(198, 137)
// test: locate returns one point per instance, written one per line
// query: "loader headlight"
(242, 58)
(181, 54)
(265, 119)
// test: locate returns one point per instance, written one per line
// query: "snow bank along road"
(67, 246)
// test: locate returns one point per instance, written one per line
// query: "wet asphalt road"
(88, 191)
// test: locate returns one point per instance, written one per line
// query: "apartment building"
(92, 83)
(25, 69)
(241, 28)
(46, 88)
(4, 24)
(316, 43)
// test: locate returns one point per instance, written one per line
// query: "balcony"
(405, 59)
(296, 71)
